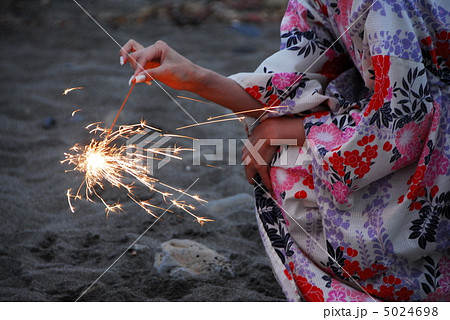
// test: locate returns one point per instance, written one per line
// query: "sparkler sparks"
(106, 162)
(75, 111)
(66, 91)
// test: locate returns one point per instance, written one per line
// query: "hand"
(264, 146)
(159, 62)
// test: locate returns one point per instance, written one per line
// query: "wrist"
(200, 80)
(290, 128)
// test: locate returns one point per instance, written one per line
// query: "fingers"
(145, 76)
(130, 46)
(265, 178)
(252, 168)
(138, 60)
(142, 60)
(139, 57)
(152, 72)
(251, 171)
(150, 57)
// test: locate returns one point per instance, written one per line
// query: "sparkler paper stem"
(121, 107)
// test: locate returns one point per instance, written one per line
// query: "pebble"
(49, 122)
(187, 258)
(137, 248)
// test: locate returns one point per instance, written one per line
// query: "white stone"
(181, 258)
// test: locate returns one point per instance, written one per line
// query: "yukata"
(361, 211)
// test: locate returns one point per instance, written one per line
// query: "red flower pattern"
(287, 274)
(352, 252)
(443, 46)
(352, 158)
(415, 191)
(350, 268)
(301, 194)
(370, 152)
(309, 182)
(363, 168)
(273, 101)
(391, 280)
(404, 294)
(365, 274)
(371, 290)
(310, 293)
(336, 161)
(381, 65)
(419, 174)
(378, 267)
(334, 66)
(387, 146)
(434, 191)
(365, 140)
(254, 92)
(386, 292)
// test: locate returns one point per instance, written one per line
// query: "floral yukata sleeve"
(364, 215)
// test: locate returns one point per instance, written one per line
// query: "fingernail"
(121, 60)
(148, 83)
(131, 79)
(140, 78)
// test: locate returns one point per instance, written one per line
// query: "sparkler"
(106, 162)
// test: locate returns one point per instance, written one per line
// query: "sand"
(48, 253)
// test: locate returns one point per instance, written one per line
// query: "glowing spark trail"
(231, 116)
(75, 111)
(192, 99)
(265, 109)
(71, 89)
(209, 122)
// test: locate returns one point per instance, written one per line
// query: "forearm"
(224, 91)
(276, 131)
